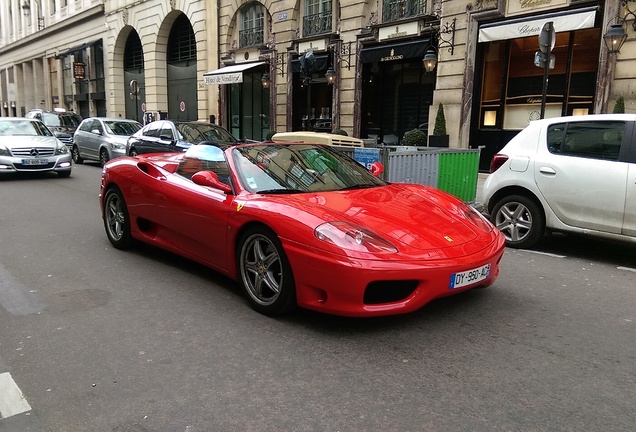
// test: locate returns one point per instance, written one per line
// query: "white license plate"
(469, 277)
(35, 161)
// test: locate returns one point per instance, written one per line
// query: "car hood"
(412, 215)
(12, 142)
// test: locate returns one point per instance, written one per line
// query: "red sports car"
(301, 225)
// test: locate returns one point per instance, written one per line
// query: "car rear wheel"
(520, 219)
(116, 219)
(103, 156)
(76, 155)
(265, 273)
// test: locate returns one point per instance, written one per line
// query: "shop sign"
(227, 78)
(392, 56)
(79, 69)
(516, 7)
(398, 31)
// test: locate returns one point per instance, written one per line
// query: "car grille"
(29, 151)
(66, 140)
(388, 291)
(21, 167)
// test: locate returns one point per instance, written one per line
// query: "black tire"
(520, 219)
(103, 156)
(264, 272)
(76, 155)
(133, 152)
(116, 219)
(64, 174)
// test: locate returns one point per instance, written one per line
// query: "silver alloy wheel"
(514, 220)
(115, 216)
(261, 269)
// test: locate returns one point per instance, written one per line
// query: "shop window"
(318, 17)
(253, 26)
(395, 10)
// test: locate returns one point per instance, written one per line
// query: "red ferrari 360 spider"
(301, 225)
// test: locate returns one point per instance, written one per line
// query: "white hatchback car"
(567, 174)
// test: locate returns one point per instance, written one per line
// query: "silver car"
(102, 138)
(27, 145)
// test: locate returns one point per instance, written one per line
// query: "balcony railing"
(317, 24)
(395, 10)
(251, 37)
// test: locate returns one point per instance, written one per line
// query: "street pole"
(547, 38)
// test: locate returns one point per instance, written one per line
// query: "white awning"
(518, 28)
(229, 74)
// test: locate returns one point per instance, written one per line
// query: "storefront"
(396, 90)
(244, 98)
(508, 91)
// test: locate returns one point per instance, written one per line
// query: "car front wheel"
(76, 155)
(133, 152)
(265, 273)
(116, 219)
(103, 157)
(520, 219)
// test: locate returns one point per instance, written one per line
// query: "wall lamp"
(445, 38)
(616, 34)
(345, 50)
(275, 62)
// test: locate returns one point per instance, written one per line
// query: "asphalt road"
(96, 339)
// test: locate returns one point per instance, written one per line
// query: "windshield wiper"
(358, 186)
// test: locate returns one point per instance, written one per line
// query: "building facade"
(374, 69)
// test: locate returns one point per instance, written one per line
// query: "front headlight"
(61, 149)
(4, 151)
(348, 236)
(117, 146)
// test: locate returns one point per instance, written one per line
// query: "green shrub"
(269, 135)
(440, 122)
(340, 132)
(414, 137)
(619, 107)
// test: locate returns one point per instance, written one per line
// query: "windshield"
(23, 128)
(124, 128)
(196, 133)
(293, 168)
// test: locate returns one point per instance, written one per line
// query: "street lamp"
(615, 37)
(26, 10)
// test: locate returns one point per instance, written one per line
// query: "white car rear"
(570, 174)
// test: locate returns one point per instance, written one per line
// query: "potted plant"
(414, 137)
(340, 132)
(619, 107)
(269, 135)
(439, 137)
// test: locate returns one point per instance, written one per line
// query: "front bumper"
(53, 163)
(342, 286)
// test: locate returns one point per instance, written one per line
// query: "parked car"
(27, 145)
(569, 174)
(301, 225)
(102, 138)
(61, 122)
(175, 136)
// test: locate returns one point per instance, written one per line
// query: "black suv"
(61, 123)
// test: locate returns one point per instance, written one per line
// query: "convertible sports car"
(301, 225)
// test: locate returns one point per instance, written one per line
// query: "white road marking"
(626, 268)
(12, 400)
(544, 253)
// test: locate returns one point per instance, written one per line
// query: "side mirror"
(210, 179)
(96, 132)
(376, 169)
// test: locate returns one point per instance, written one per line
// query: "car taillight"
(497, 161)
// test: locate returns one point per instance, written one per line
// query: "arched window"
(253, 25)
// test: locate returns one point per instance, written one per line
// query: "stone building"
(373, 68)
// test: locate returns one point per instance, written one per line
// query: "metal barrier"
(452, 170)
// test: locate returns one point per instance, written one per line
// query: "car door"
(579, 174)
(197, 216)
(148, 142)
(167, 137)
(93, 139)
(629, 221)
